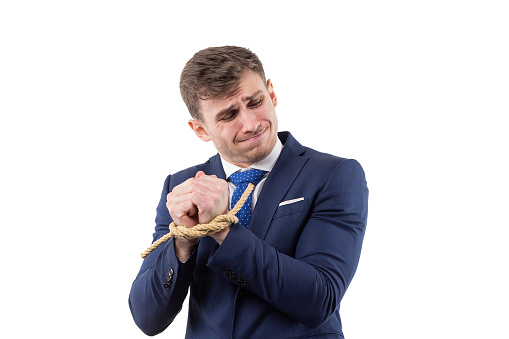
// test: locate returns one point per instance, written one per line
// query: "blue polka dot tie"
(241, 180)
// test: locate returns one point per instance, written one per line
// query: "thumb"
(199, 174)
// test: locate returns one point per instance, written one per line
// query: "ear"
(272, 94)
(199, 129)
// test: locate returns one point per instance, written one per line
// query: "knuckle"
(194, 196)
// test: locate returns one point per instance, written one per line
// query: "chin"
(247, 157)
(257, 157)
(260, 154)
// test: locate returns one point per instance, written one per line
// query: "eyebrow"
(234, 106)
(254, 95)
(225, 111)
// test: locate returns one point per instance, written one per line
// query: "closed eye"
(256, 103)
(229, 116)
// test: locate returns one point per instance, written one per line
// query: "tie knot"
(253, 176)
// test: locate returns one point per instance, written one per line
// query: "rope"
(201, 230)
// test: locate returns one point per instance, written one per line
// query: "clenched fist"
(198, 200)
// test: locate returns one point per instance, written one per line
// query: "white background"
(92, 122)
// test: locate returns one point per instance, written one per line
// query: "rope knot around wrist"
(201, 230)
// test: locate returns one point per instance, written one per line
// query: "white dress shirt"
(265, 165)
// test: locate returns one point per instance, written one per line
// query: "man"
(280, 272)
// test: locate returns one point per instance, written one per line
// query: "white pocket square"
(291, 201)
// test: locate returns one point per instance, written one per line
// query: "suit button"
(169, 278)
(228, 272)
(244, 283)
(169, 275)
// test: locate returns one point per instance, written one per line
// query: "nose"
(248, 121)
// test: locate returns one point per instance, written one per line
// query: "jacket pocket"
(292, 208)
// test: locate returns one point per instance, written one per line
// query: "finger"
(182, 209)
(209, 185)
(202, 176)
(176, 199)
(180, 206)
(181, 218)
(186, 208)
(184, 188)
(201, 201)
(210, 203)
(209, 180)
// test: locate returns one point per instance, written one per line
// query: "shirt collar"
(265, 165)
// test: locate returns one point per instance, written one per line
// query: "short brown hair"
(215, 72)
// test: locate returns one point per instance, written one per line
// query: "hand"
(182, 209)
(183, 212)
(210, 196)
(197, 200)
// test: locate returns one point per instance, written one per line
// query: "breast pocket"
(287, 224)
(291, 206)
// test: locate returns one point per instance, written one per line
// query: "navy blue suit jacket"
(285, 276)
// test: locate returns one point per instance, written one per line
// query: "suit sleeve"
(326, 258)
(162, 283)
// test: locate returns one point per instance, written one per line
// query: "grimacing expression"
(242, 126)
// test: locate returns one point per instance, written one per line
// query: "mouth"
(255, 137)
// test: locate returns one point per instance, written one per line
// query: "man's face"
(242, 126)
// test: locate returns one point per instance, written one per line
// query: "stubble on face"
(252, 156)
(242, 139)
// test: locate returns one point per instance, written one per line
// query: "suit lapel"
(291, 161)
(285, 171)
